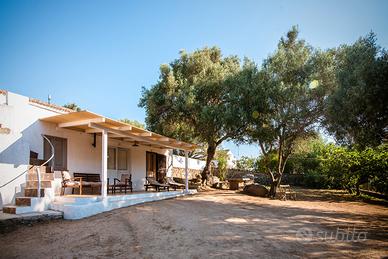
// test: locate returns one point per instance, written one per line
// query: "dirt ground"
(214, 224)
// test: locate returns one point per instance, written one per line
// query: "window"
(111, 158)
(122, 163)
(117, 158)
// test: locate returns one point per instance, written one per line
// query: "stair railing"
(37, 168)
(45, 163)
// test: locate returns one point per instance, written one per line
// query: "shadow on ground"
(212, 224)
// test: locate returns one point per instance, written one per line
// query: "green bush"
(330, 166)
(315, 179)
(350, 168)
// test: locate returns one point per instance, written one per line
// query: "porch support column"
(186, 171)
(104, 163)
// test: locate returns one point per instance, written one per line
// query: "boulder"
(256, 190)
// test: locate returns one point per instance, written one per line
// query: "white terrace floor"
(81, 206)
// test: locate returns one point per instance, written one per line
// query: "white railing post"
(39, 181)
(186, 171)
(104, 163)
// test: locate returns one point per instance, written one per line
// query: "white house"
(84, 142)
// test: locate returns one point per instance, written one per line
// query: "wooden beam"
(93, 131)
(115, 135)
(163, 139)
(80, 122)
(136, 137)
(125, 128)
(143, 134)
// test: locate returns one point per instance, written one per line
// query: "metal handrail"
(52, 151)
(45, 163)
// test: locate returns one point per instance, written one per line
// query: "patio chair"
(123, 183)
(152, 183)
(173, 184)
(109, 186)
(72, 182)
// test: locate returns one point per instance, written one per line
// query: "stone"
(256, 190)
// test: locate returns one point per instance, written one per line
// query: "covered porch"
(108, 137)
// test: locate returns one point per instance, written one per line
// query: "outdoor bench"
(89, 180)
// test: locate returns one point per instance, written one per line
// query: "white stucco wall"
(179, 161)
(23, 119)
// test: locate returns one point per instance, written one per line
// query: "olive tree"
(285, 100)
(191, 100)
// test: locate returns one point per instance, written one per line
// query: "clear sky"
(99, 54)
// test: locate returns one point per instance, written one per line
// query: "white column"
(104, 163)
(187, 170)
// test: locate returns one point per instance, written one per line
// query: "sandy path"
(211, 224)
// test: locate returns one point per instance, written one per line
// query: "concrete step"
(43, 176)
(29, 204)
(34, 184)
(33, 192)
(23, 201)
(42, 169)
(13, 209)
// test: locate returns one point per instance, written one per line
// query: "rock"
(213, 180)
(256, 190)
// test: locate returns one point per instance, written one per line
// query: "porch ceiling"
(89, 122)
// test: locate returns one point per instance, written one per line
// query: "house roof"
(89, 122)
(50, 105)
(42, 103)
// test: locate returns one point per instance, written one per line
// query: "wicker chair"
(71, 182)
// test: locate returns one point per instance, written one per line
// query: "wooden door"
(59, 161)
(156, 166)
(151, 165)
(161, 165)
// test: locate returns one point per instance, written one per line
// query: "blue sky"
(99, 54)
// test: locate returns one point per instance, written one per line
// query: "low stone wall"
(263, 178)
(178, 172)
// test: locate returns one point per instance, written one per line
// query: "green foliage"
(222, 157)
(205, 98)
(192, 102)
(315, 179)
(324, 165)
(357, 112)
(349, 168)
(73, 106)
(285, 99)
(247, 163)
(133, 123)
(306, 155)
(189, 101)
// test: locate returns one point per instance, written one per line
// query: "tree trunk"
(274, 186)
(211, 150)
(358, 188)
(278, 177)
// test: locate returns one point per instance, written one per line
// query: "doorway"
(59, 162)
(155, 166)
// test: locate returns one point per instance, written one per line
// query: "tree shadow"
(273, 230)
